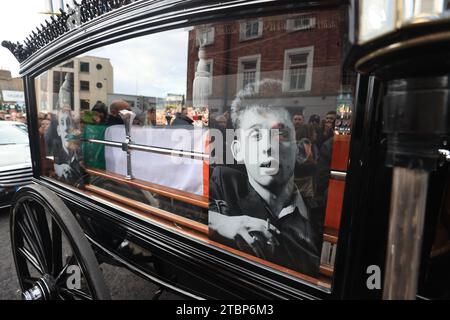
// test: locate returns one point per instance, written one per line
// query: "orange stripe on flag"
(206, 169)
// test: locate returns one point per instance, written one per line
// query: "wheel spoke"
(75, 293)
(58, 277)
(44, 233)
(31, 259)
(30, 217)
(56, 248)
(30, 280)
(43, 227)
(37, 254)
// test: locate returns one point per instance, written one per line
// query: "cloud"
(153, 65)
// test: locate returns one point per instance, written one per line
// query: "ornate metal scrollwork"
(66, 20)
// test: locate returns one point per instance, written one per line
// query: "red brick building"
(302, 50)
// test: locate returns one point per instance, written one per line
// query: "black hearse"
(238, 149)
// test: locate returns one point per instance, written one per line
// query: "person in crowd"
(45, 124)
(100, 113)
(298, 120)
(314, 120)
(150, 119)
(114, 112)
(21, 117)
(261, 211)
(221, 123)
(182, 119)
(299, 124)
(309, 133)
(227, 115)
(307, 157)
(13, 115)
(326, 130)
(41, 115)
(323, 167)
(46, 164)
(168, 117)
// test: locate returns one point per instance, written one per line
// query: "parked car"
(15, 160)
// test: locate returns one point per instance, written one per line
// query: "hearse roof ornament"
(65, 21)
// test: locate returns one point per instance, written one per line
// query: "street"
(123, 285)
(8, 279)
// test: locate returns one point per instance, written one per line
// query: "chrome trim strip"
(14, 175)
(338, 175)
(104, 142)
(139, 147)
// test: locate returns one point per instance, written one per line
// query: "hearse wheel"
(52, 255)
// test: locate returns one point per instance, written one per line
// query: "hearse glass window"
(237, 133)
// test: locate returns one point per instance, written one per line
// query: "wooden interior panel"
(341, 150)
(334, 203)
(155, 211)
(168, 192)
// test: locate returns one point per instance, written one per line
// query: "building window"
(68, 65)
(205, 36)
(99, 66)
(251, 29)
(84, 66)
(84, 85)
(248, 71)
(298, 65)
(300, 23)
(84, 104)
(99, 85)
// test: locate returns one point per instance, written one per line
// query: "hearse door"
(404, 45)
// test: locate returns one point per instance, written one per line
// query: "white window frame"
(240, 73)
(211, 72)
(309, 68)
(198, 32)
(290, 25)
(242, 29)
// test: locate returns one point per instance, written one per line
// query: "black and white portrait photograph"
(263, 205)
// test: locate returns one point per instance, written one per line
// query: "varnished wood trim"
(168, 192)
(330, 235)
(436, 251)
(326, 270)
(147, 208)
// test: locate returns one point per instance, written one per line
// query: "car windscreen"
(12, 135)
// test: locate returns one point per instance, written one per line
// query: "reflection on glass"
(239, 126)
(376, 17)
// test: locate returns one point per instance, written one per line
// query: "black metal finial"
(81, 13)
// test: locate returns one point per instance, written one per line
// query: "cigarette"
(268, 224)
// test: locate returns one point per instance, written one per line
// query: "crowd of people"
(13, 115)
(315, 143)
(62, 133)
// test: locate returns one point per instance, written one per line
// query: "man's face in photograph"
(266, 145)
(64, 126)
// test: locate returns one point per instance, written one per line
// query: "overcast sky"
(18, 18)
(153, 65)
